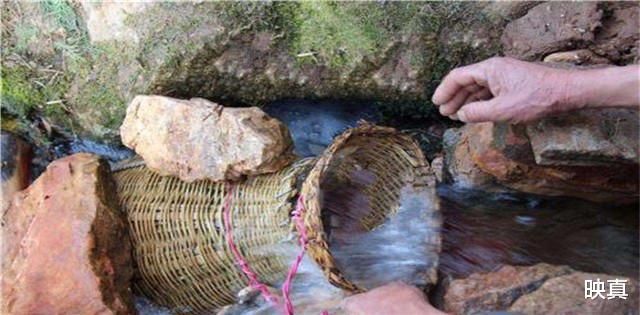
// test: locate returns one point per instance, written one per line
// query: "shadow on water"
(483, 231)
(313, 124)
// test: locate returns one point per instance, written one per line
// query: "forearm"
(607, 87)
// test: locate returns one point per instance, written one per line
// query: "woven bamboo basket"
(181, 254)
(182, 257)
(394, 159)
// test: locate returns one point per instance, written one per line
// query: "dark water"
(63, 147)
(313, 124)
(111, 153)
(482, 232)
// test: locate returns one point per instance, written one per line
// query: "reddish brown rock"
(565, 295)
(492, 156)
(197, 139)
(497, 290)
(550, 27)
(539, 289)
(66, 248)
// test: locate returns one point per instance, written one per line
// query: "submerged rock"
(539, 289)
(591, 165)
(197, 139)
(66, 247)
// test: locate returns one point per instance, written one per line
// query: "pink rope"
(244, 265)
(302, 231)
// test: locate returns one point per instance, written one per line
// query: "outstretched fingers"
(456, 81)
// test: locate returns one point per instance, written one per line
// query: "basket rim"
(318, 245)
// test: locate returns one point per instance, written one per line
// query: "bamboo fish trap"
(392, 159)
(182, 257)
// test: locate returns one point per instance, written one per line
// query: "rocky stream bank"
(70, 69)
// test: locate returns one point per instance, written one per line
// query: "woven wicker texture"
(394, 160)
(180, 249)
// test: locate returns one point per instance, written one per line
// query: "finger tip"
(444, 110)
(462, 116)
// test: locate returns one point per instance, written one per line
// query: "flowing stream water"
(481, 231)
(484, 231)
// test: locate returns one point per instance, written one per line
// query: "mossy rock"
(235, 53)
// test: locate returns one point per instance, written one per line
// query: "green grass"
(342, 33)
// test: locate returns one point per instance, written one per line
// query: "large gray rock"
(198, 139)
(588, 137)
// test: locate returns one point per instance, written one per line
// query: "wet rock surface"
(539, 289)
(197, 139)
(491, 156)
(66, 246)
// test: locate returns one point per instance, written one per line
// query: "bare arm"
(607, 87)
(505, 89)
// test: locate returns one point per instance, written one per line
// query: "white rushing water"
(404, 248)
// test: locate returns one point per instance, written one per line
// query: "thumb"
(480, 111)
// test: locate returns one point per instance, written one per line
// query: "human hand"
(394, 298)
(503, 89)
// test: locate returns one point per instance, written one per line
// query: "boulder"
(496, 157)
(16, 159)
(539, 289)
(198, 139)
(551, 27)
(66, 247)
